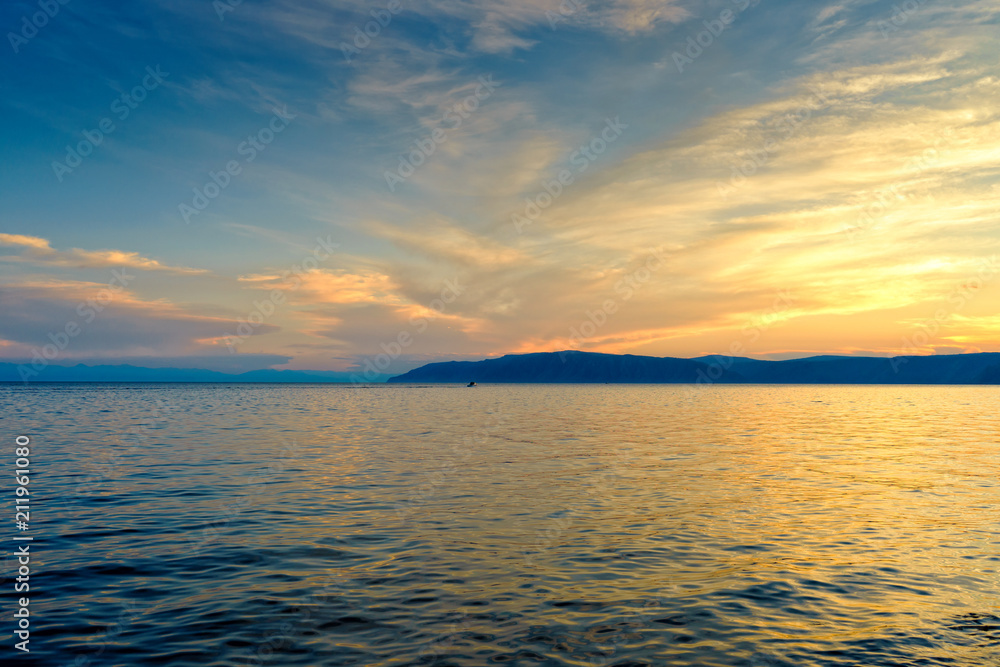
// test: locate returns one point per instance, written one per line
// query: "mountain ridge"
(573, 366)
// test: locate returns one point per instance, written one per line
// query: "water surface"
(512, 525)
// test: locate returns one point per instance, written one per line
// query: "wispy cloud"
(39, 251)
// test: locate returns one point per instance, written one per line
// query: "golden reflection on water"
(815, 511)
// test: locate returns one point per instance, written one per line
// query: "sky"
(342, 185)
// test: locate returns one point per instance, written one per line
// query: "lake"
(583, 525)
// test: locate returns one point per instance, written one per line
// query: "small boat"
(472, 384)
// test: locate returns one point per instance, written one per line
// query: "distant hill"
(127, 373)
(586, 367)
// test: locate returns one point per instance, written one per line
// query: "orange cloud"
(40, 251)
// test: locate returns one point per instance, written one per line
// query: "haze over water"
(519, 525)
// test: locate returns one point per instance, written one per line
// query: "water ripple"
(750, 526)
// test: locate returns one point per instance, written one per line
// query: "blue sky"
(866, 133)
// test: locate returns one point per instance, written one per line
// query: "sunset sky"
(772, 178)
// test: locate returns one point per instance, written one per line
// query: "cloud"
(440, 240)
(747, 174)
(39, 251)
(903, 153)
(829, 12)
(964, 330)
(26, 241)
(495, 24)
(326, 299)
(633, 16)
(109, 323)
(489, 26)
(750, 202)
(330, 286)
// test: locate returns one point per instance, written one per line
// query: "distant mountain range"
(128, 373)
(587, 367)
